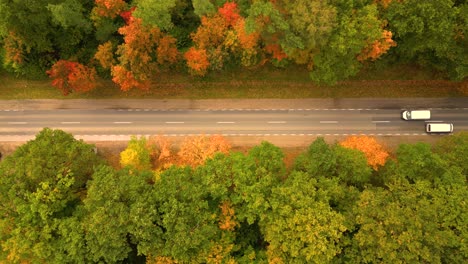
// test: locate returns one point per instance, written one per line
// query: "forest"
(74, 42)
(351, 201)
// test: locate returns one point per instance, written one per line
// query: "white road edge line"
(328, 122)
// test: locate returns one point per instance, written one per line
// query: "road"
(111, 120)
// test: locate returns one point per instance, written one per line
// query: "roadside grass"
(402, 81)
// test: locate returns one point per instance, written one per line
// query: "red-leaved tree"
(230, 13)
(70, 76)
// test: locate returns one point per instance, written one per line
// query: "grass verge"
(403, 81)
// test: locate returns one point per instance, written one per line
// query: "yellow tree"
(136, 154)
(105, 55)
(375, 153)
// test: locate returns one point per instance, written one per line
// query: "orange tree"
(145, 48)
(196, 150)
(375, 152)
(222, 37)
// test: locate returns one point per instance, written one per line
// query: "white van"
(416, 114)
(439, 128)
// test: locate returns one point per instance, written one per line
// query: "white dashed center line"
(17, 123)
(276, 122)
(70, 123)
(225, 122)
(122, 122)
(174, 122)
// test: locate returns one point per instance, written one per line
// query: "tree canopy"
(61, 204)
(132, 41)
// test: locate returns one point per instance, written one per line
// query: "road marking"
(225, 122)
(328, 122)
(174, 122)
(381, 121)
(17, 123)
(123, 122)
(276, 122)
(66, 123)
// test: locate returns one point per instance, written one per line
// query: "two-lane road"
(109, 123)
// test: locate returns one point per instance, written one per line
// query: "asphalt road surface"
(111, 120)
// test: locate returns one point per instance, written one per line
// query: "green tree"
(411, 223)
(188, 217)
(203, 7)
(120, 217)
(357, 26)
(267, 19)
(322, 160)
(185, 22)
(155, 12)
(302, 227)
(431, 33)
(418, 162)
(43, 32)
(454, 150)
(245, 182)
(313, 22)
(41, 187)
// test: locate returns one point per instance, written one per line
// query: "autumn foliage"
(276, 51)
(158, 152)
(167, 51)
(160, 148)
(14, 49)
(219, 35)
(230, 13)
(69, 76)
(211, 32)
(378, 47)
(375, 153)
(145, 48)
(227, 219)
(195, 150)
(197, 61)
(105, 55)
(126, 80)
(109, 8)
